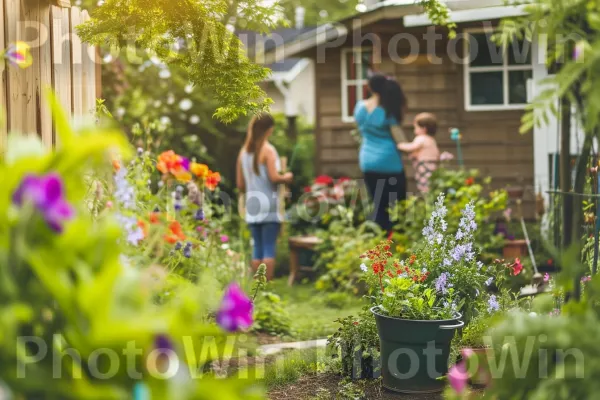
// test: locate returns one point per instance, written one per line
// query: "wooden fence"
(60, 61)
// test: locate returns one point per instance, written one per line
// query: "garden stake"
(293, 158)
(456, 136)
(537, 277)
(597, 230)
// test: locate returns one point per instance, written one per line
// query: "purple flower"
(441, 284)
(46, 195)
(135, 236)
(163, 342)
(493, 304)
(124, 191)
(579, 51)
(178, 246)
(489, 281)
(185, 163)
(200, 215)
(236, 310)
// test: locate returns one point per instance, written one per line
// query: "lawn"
(313, 313)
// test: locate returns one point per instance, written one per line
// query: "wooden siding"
(60, 62)
(491, 140)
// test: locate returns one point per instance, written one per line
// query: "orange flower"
(144, 227)
(200, 170)
(116, 165)
(469, 181)
(175, 233)
(174, 164)
(213, 180)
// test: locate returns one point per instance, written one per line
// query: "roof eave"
(388, 9)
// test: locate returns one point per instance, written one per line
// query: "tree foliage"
(195, 36)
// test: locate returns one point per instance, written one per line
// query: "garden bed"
(327, 386)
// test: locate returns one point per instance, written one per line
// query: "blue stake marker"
(456, 136)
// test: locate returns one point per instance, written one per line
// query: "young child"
(424, 151)
(257, 178)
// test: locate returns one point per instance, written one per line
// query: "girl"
(378, 119)
(257, 176)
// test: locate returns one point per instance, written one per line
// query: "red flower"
(412, 260)
(154, 218)
(324, 180)
(343, 179)
(307, 189)
(469, 181)
(175, 233)
(390, 235)
(355, 323)
(517, 267)
(550, 261)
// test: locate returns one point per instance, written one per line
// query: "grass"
(313, 312)
(290, 366)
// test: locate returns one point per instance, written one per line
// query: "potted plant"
(419, 303)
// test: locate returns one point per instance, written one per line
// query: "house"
(468, 82)
(292, 82)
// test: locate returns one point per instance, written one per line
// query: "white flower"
(363, 268)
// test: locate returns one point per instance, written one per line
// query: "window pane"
(519, 52)
(483, 51)
(486, 88)
(365, 93)
(367, 62)
(351, 66)
(517, 90)
(351, 99)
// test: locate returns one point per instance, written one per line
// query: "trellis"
(60, 62)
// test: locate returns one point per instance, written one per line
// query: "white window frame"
(359, 83)
(504, 68)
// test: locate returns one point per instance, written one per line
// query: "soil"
(264, 338)
(311, 386)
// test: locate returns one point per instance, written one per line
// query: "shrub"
(270, 316)
(339, 255)
(356, 343)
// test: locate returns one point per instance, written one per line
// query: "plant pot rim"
(515, 241)
(458, 316)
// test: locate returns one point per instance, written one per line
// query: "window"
(493, 80)
(355, 77)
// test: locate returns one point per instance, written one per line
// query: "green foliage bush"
(356, 345)
(270, 316)
(339, 255)
(75, 291)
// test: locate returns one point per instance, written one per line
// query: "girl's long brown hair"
(257, 135)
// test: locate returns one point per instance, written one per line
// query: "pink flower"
(517, 267)
(236, 310)
(546, 277)
(446, 156)
(458, 377)
(507, 213)
(224, 238)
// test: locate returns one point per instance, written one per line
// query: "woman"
(257, 176)
(379, 158)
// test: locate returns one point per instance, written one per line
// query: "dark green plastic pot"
(414, 354)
